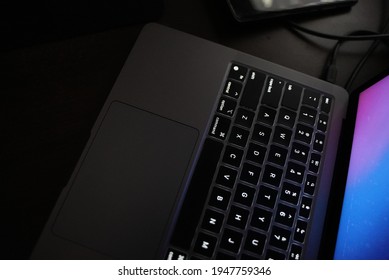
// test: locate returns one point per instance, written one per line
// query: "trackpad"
(122, 197)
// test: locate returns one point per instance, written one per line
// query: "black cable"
(330, 70)
(362, 62)
(337, 37)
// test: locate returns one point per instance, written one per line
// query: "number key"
(285, 215)
(280, 238)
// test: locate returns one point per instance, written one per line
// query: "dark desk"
(54, 91)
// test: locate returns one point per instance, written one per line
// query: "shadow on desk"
(24, 23)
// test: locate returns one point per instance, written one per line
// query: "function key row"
(273, 88)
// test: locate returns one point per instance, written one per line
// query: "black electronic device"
(250, 10)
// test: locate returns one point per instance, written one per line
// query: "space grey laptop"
(201, 151)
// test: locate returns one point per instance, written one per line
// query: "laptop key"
(226, 176)
(323, 122)
(299, 152)
(253, 90)
(233, 89)
(306, 207)
(255, 242)
(233, 156)
(239, 136)
(261, 219)
(256, 153)
(295, 172)
(205, 244)
(280, 238)
(282, 136)
(273, 91)
(244, 195)
(304, 133)
(212, 221)
(292, 96)
(326, 104)
(314, 163)
(287, 117)
(310, 184)
(266, 115)
(290, 193)
(300, 231)
(250, 173)
(272, 175)
(173, 254)
(219, 198)
(285, 215)
(238, 72)
(261, 134)
(295, 252)
(238, 217)
(318, 143)
(307, 115)
(267, 196)
(244, 118)
(220, 127)
(226, 106)
(231, 240)
(277, 155)
(311, 98)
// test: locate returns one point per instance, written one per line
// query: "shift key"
(253, 89)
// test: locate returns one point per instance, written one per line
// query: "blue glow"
(364, 226)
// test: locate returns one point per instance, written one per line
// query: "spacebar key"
(253, 89)
(197, 194)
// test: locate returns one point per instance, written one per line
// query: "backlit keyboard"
(253, 189)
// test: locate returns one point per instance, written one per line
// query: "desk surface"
(55, 90)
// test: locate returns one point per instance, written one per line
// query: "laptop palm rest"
(121, 199)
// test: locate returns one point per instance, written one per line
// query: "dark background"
(57, 67)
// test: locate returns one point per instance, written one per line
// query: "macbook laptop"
(204, 152)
